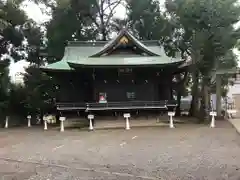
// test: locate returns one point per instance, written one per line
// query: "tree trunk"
(206, 97)
(178, 108)
(218, 95)
(195, 95)
(104, 35)
(205, 104)
(201, 110)
(102, 23)
(57, 117)
(180, 91)
(41, 116)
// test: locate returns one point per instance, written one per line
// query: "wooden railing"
(71, 106)
(131, 105)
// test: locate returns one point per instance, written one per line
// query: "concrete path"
(235, 123)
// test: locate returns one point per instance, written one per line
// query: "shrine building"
(119, 75)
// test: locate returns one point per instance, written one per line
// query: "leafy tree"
(208, 35)
(3, 22)
(17, 95)
(149, 22)
(12, 20)
(65, 26)
(4, 91)
(143, 14)
(40, 91)
(11, 34)
(35, 42)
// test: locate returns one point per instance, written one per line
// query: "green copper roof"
(96, 54)
(81, 51)
(116, 61)
(121, 61)
(60, 65)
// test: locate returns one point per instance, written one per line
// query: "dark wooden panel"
(141, 84)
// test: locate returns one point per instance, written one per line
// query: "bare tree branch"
(94, 21)
(112, 11)
(110, 4)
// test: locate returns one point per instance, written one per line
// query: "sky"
(34, 12)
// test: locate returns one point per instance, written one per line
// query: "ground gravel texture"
(186, 152)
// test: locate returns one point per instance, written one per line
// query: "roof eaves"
(150, 61)
(87, 43)
(57, 66)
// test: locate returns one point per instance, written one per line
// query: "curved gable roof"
(124, 33)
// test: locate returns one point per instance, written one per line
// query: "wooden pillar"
(218, 95)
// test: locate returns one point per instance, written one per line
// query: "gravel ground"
(187, 152)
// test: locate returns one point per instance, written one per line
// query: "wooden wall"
(80, 86)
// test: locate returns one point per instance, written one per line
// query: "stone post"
(91, 117)
(62, 119)
(213, 114)
(171, 114)
(45, 119)
(6, 121)
(127, 116)
(29, 120)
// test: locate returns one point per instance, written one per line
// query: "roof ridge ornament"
(124, 40)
